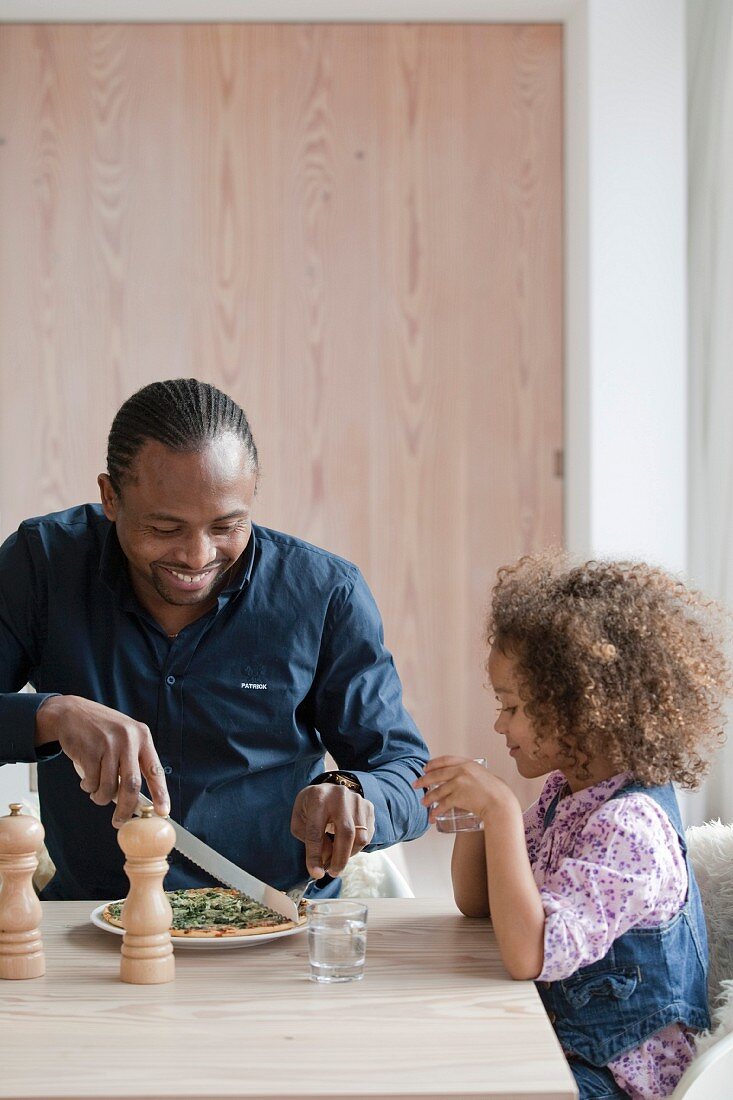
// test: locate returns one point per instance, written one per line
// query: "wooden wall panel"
(356, 231)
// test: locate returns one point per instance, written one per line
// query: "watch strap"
(340, 779)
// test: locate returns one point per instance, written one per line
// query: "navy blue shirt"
(241, 704)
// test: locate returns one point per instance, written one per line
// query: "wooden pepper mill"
(147, 952)
(21, 948)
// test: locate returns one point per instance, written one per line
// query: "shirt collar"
(112, 563)
(243, 570)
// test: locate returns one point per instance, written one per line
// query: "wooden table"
(435, 1016)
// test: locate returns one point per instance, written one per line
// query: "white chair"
(710, 1076)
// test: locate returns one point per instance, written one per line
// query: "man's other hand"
(334, 823)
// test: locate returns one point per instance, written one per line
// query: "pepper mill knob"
(147, 951)
(21, 947)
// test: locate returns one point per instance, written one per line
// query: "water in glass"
(457, 820)
(336, 942)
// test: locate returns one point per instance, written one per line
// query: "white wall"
(626, 331)
(14, 784)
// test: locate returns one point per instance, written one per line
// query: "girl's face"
(512, 723)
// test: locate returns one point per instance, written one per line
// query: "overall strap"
(663, 795)
(665, 798)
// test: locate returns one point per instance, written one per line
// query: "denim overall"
(649, 978)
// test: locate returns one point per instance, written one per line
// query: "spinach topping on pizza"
(213, 911)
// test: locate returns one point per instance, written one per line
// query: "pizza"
(214, 911)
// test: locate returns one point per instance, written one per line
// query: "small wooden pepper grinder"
(147, 952)
(21, 948)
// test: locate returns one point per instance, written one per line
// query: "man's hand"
(110, 749)
(334, 823)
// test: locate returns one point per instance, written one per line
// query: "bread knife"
(222, 869)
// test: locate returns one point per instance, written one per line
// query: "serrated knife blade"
(221, 868)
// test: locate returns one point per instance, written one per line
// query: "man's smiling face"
(183, 520)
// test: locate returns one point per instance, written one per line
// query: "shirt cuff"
(18, 717)
(565, 943)
(398, 812)
(384, 834)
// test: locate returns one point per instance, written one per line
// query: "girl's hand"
(457, 781)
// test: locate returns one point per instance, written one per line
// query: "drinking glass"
(457, 820)
(336, 940)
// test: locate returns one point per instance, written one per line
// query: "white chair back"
(710, 1076)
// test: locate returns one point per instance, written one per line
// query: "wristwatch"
(341, 779)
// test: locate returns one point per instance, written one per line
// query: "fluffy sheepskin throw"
(373, 875)
(711, 853)
(362, 877)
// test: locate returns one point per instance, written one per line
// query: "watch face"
(343, 781)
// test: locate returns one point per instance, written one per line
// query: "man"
(172, 642)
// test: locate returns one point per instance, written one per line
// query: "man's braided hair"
(182, 413)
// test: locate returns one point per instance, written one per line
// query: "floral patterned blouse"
(602, 868)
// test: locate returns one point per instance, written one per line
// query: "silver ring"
(364, 827)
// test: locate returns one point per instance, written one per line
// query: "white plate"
(204, 944)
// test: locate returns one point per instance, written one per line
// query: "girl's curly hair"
(615, 659)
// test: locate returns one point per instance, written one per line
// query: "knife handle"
(142, 800)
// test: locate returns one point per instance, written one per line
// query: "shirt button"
(167, 769)
(170, 680)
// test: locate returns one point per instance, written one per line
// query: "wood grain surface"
(356, 231)
(434, 1016)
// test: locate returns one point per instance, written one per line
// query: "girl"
(609, 677)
